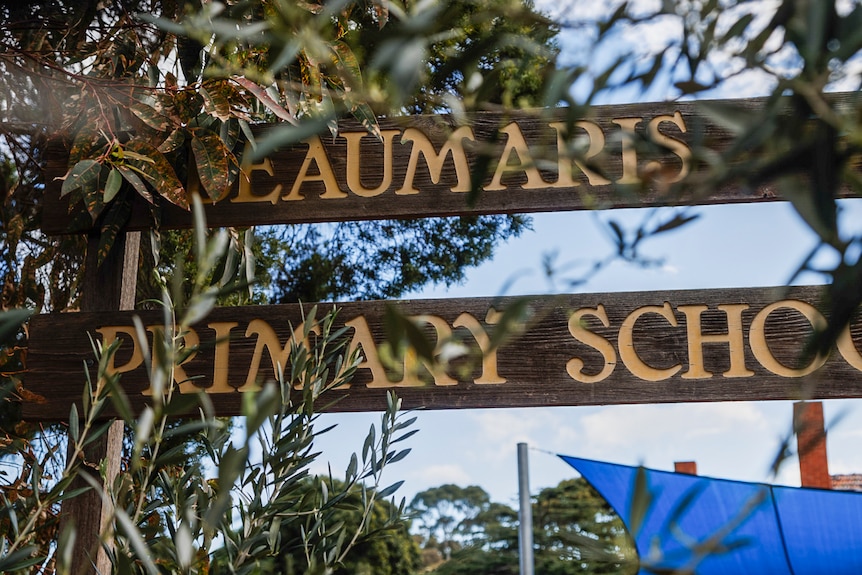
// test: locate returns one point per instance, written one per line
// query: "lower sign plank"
(589, 349)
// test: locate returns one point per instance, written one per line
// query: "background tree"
(446, 515)
(574, 531)
(387, 548)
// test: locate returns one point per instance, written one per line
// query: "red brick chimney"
(811, 444)
(688, 467)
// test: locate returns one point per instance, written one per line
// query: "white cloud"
(648, 423)
(439, 474)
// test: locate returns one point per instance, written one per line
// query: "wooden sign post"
(110, 286)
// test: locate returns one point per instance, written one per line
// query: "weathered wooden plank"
(423, 168)
(651, 347)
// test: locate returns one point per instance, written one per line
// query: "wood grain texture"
(434, 197)
(534, 365)
(108, 287)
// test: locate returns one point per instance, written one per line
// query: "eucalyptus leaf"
(112, 185)
(84, 174)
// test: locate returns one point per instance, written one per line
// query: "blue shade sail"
(722, 527)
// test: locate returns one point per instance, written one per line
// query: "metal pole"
(525, 514)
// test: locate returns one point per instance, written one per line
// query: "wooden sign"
(677, 346)
(629, 156)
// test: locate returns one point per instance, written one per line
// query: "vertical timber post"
(525, 513)
(109, 287)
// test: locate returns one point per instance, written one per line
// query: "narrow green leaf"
(677, 221)
(66, 548)
(84, 173)
(511, 322)
(351, 468)
(266, 403)
(74, 425)
(399, 456)
(213, 161)
(112, 185)
(287, 134)
(641, 502)
(13, 517)
(369, 443)
(72, 493)
(137, 183)
(386, 492)
(158, 172)
(738, 28)
(136, 539)
(407, 435)
(97, 432)
(20, 559)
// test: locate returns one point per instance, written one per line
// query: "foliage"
(574, 531)
(390, 551)
(446, 514)
(169, 513)
(145, 103)
(147, 112)
(799, 143)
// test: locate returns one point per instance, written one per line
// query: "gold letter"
(191, 342)
(354, 160)
(109, 335)
(760, 349)
(279, 355)
(411, 361)
(676, 146)
(564, 163)
(317, 153)
(627, 349)
(515, 143)
(422, 145)
(575, 366)
(630, 155)
(362, 338)
(245, 195)
(848, 350)
(696, 339)
(489, 356)
(221, 359)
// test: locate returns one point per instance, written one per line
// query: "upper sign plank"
(424, 164)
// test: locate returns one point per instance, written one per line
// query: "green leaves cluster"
(252, 504)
